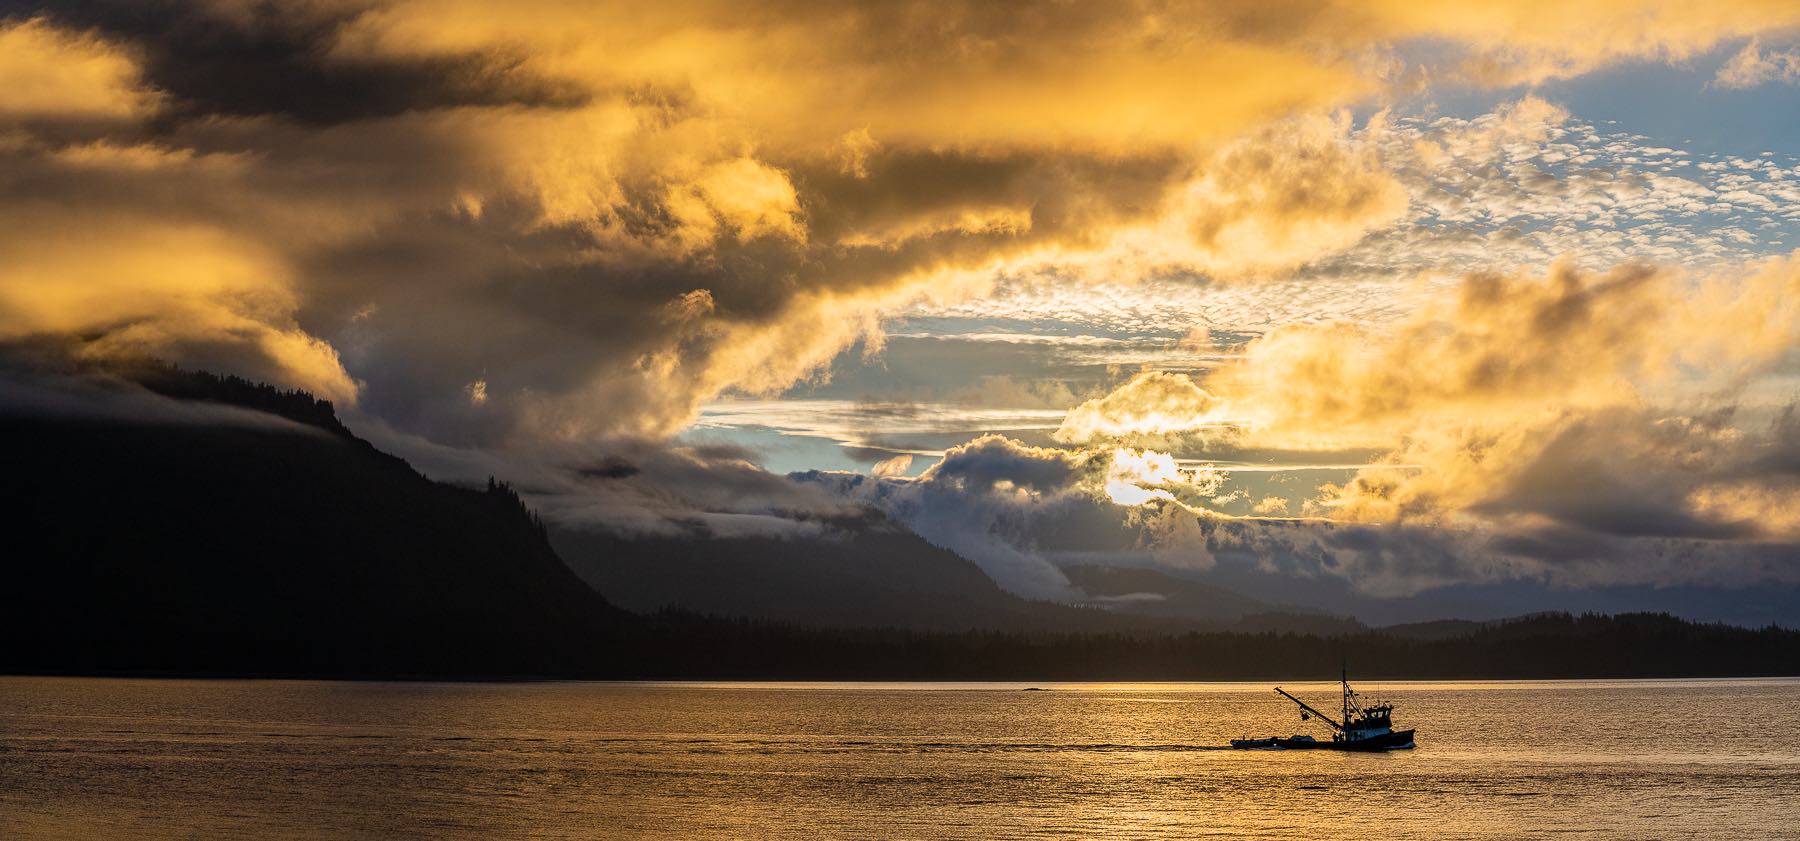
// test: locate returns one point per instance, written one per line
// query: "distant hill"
(1157, 593)
(873, 573)
(1442, 629)
(1546, 646)
(870, 574)
(183, 533)
(1151, 592)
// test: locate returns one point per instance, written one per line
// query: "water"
(260, 759)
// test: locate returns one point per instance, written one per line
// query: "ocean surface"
(115, 758)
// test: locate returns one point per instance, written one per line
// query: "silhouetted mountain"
(1296, 622)
(1549, 646)
(202, 386)
(1151, 592)
(214, 526)
(873, 573)
(869, 573)
(1157, 593)
(1241, 571)
(1441, 629)
(183, 533)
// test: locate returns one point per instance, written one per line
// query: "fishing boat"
(1362, 728)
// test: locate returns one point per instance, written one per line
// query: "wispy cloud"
(1752, 66)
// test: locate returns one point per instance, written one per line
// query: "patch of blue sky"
(832, 434)
(1668, 104)
(776, 450)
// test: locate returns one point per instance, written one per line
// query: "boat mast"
(1344, 678)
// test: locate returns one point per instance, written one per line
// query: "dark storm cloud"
(265, 58)
(904, 195)
(612, 467)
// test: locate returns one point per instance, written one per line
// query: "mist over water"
(83, 758)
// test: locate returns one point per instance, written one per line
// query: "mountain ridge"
(166, 536)
(313, 548)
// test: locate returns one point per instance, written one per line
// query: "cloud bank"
(548, 234)
(610, 214)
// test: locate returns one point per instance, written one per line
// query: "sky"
(1401, 296)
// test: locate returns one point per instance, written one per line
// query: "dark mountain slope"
(875, 574)
(242, 529)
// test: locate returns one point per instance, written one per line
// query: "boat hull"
(1397, 740)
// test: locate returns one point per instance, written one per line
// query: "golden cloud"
(544, 178)
(1532, 402)
(152, 288)
(1151, 403)
(802, 76)
(971, 75)
(50, 74)
(1531, 41)
(1297, 191)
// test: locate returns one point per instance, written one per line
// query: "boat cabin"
(1370, 721)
